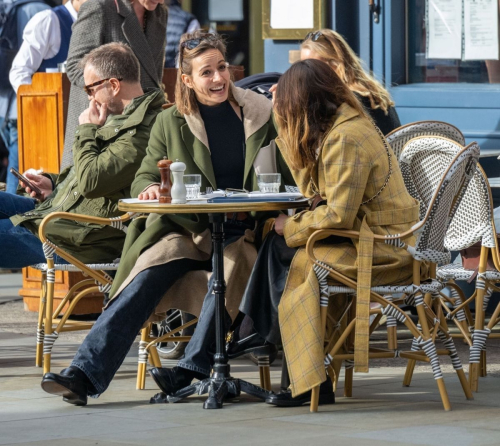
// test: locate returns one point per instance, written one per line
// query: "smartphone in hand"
(25, 180)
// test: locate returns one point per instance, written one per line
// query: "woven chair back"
(400, 136)
(437, 171)
(473, 220)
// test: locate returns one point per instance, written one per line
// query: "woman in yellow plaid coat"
(333, 150)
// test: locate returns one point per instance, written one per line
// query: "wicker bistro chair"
(473, 222)
(398, 138)
(49, 326)
(429, 246)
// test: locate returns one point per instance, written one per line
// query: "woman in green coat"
(226, 135)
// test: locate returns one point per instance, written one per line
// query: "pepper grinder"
(166, 183)
(178, 188)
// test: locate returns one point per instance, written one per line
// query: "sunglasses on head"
(191, 44)
(88, 88)
(313, 36)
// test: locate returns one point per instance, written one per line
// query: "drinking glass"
(269, 182)
(193, 184)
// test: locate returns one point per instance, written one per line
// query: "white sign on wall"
(296, 14)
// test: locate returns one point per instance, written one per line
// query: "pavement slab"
(381, 412)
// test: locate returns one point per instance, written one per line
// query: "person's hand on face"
(95, 114)
(151, 193)
(279, 223)
(42, 182)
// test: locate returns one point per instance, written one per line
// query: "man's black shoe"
(174, 379)
(253, 343)
(72, 384)
(284, 399)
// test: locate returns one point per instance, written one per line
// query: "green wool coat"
(184, 137)
(106, 160)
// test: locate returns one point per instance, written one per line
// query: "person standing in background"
(22, 11)
(45, 42)
(141, 24)
(179, 22)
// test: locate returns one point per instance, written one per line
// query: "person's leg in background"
(11, 205)
(10, 132)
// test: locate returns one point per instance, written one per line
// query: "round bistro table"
(220, 383)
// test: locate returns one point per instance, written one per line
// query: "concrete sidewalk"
(381, 412)
(9, 287)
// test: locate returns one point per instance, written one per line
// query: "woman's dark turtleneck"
(226, 140)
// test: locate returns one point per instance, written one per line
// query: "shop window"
(421, 69)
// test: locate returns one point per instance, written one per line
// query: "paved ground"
(381, 412)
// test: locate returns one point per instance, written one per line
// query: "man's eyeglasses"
(313, 36)
(88, 88)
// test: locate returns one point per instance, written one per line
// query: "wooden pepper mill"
(166, 181)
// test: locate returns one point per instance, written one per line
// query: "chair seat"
(458, 272)
(69, 267)
(427, 287)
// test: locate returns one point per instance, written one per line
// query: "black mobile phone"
(26, 181)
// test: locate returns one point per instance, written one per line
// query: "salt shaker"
(178, 188)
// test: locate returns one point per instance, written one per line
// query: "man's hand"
(43, 183)
(94, 114)
(151, 193)
(279, 223)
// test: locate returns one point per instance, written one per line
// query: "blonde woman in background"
(330, 47)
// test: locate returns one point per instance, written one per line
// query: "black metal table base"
(218, 390)
(220, 385)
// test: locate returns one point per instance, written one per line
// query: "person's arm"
(87, 34)
(104, 172)
(347, 174)
(149, 173)
(41, 40)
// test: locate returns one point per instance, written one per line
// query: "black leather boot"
(174, 379)
(284, 399)
(72, 384)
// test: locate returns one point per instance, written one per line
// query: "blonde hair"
(335, 51)
(305, 115)
(185, 97)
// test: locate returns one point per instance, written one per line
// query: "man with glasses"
(109, 146)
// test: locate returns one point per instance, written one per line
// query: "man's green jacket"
(105, 162)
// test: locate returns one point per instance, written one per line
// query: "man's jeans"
(19, 247)
(9, 135)
(105, 347)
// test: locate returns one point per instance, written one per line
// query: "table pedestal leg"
(220, 385)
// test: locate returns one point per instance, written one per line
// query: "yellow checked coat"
(351, 168)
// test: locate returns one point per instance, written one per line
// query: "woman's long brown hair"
(307, 98)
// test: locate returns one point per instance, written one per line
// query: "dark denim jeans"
(8, 132)
(198, 355)
(105, 347)
(20, 247)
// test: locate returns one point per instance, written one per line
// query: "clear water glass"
(269, 182)
(193, 184)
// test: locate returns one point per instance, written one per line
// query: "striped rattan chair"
(472, 223)
(429, 246)
(398, 138)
